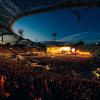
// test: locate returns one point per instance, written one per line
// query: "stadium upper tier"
(11, 10)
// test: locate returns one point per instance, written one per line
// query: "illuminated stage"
(67, 51)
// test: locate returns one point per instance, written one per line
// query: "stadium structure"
(12, 10)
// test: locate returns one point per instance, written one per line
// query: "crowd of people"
(19, 81)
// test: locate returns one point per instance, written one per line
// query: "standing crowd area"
(65, 80)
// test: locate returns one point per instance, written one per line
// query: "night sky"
(63, 22)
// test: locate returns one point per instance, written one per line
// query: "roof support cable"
(10, 7)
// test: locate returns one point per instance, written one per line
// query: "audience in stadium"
(19, 81)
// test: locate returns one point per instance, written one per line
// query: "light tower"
(1, 36)
(54, 36)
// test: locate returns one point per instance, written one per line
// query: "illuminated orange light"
(58, 49)
(73, 50)
(65, 49)
(83, 53)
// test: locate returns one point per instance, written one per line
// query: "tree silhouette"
(80, 43)
(20, 32)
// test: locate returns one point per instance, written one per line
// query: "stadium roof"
(11, 10)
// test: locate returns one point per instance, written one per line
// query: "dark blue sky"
(64, 23)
